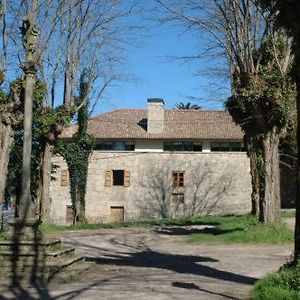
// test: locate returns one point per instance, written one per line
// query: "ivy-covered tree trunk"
(270, 202)
(297, 78)
(6, 142)
(80, 203)
(255, 182)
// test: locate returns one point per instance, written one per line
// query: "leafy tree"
(259, 61)
(286, 14)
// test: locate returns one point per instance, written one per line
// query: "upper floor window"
(115, 146)
(226, 146)
(178, 179)
(117, 178)
(180, 146)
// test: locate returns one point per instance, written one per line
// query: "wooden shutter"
(126, 178)
(175, 179)
(181, 179)
(108, 178)
(64, 177)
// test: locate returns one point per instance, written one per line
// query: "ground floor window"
(178, 198)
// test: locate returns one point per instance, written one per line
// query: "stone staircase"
(28, 261)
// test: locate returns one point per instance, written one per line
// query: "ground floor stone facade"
(141, 185)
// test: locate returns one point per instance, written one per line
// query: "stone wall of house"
(214, 183)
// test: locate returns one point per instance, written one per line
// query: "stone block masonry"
(212, 183)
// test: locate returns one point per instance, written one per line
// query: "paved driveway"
(160, 264)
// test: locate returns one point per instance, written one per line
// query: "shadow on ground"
(187, 230)
(187, 264)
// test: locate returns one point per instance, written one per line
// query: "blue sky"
(158, 76)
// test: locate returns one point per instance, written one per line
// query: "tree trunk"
(297, 225)
(43, 204)
(270, 200)
(254, 177)
(6, 142)
(80, 205)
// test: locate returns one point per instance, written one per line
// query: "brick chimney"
(156, 115)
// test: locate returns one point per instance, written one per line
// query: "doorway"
(117, 214)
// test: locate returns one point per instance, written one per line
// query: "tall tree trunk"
(297, 225)
(43, 202)
(270, 202)
(6, 142)
(46, 172)
(254, 177)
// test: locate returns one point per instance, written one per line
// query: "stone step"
(66, 263)
(30, 253)
(48, 243)
(56, 268)
(60, 252)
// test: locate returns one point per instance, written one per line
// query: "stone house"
(157, 162)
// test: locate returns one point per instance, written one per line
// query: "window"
(115, 146)
(178, 198)
(182, 146)
(117, 178)
(197, 147)
(178, 179)
(226, 146)
(178, 146)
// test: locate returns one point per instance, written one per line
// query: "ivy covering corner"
(76, 152)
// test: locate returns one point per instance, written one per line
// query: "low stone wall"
(214, 183)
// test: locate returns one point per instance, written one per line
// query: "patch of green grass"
(243, 229)
(284, 284)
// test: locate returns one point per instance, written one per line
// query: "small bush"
(284, 284)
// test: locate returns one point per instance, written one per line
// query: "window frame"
(178, 179)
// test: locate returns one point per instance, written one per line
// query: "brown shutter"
(126, 178)
(181, 179)
(175, 184)
(108, 178)
(64, 177)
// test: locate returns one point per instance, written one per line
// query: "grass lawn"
(242, 229)
(284, 284)
(226, 229)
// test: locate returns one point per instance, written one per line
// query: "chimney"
(156, 115)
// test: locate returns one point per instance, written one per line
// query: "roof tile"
(179, 124)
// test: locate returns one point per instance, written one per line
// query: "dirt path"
(156, 264)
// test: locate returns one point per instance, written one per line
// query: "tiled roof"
(178, 124)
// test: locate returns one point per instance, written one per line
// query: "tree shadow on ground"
(187, 230)
(184, 264)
